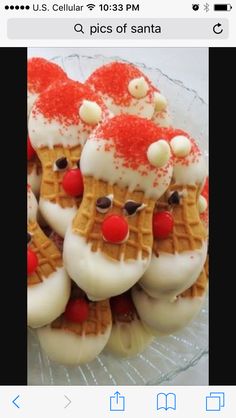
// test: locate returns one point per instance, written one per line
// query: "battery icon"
(222, 7)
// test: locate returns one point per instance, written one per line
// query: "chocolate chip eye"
(28, 238)
(103, 204)
(61, 164)
(131, 207)
(78, 164)
(174, 198)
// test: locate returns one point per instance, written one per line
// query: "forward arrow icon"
(68, 401)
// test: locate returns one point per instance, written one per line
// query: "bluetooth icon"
(206, 7)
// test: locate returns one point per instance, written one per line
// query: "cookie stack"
(117, 250)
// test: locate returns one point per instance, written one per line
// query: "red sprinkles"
(41, 73)
(113, 80)
(62, 101)
(132, 135)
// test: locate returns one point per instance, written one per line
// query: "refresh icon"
(217, 29)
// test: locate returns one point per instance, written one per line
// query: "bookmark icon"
(166, 401)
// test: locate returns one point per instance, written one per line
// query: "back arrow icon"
(14, 402)
(68, 403)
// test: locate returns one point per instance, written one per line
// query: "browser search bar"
(117, 28)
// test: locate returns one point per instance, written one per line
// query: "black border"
(222, 217)
(13, 306)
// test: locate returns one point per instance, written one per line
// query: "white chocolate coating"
(143, 107)
(95, 273)
(162, 118)
(57, 217)
(42, 133)
(67, 348)
(170, 274)
(165, 317)
(103, 165)
(34, 180)
(128, 339)
(31, 97)
(194, 173)
(47, 300)
(32, 206)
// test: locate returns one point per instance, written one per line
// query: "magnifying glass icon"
(79, 28)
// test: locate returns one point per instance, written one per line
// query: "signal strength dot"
(90, 6)
(17, 7)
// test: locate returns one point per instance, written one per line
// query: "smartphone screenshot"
(117, 108)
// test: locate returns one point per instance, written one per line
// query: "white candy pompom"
(138, 87)
(202, 204)
(90, 112)
(160, 102)
(159, 153)
(180, 145)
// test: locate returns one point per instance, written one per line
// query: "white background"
(189, 65)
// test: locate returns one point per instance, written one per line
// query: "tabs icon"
(215, 401)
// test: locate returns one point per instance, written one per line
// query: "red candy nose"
(163, 224)
(30, 149)
(77, 310)
(72, 182)
(115, 229)
(32, 261)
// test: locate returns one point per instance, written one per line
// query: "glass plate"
(166, 357)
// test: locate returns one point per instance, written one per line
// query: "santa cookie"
(125, 89)
(61, 119)
(128, 335)
(162, 316)
(126, 167)
(48, 283)
(80, 334)
(41, 73)
(180, 238)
